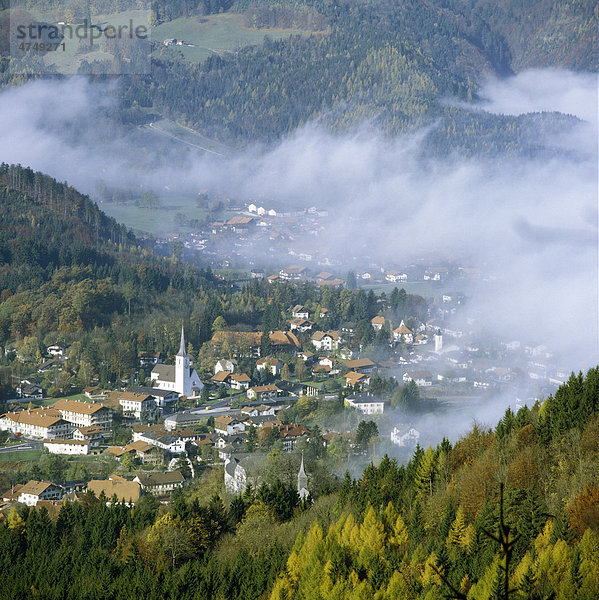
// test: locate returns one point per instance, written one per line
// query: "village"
(258, 401)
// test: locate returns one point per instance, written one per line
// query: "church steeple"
(302, 482)
(182, 351)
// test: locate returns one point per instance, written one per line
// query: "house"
(159, 484)
(348, 327)
(263, 391)
(356, 380)
(367, 404)
(239, 381)
(290, 434)
(299, 312)
(360, 365)
(326, 340)
(34, 491)
(321, 370)
(226, 365)
(272, 278)
(236, 478)
(165, 400)
(94, 434)
(124, 490)
(170, 442)
(48, 365)
(377, 322)
(404, 435)
(228, 445)
(324, 312)
(436, 274)
(421, 378)
(306, 356)
(403, 334)
(180, 377)
(84, 413)
(242, 342)
(396, 277)
(302, 325)
(70, 447)
(260, 410)
(292, 272)
(148, 359)
(136, 406)
(56, 350)
(240, 224)
(227, 425)
(28, 390)
(94, 393)
(273, 365)
(221, 378)
(36, 423)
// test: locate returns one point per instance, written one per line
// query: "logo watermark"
(69, 41)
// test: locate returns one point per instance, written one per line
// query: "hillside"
(420, 531)
(392, 64)
(67, 268)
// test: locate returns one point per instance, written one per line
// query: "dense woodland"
(392, 64)
(388, 63)
(423, 530)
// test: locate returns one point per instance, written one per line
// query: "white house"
(84, 413)
(403, 435)
(403, 334)
(36, 423)
(180, 377)
(273, 365)
(159, 484)
(58, 446)
(34, 491)
(326, 340)
(377, 322)
(235, 476)
(396, 277)
(56, 350)
(137, 405)
(225, 365)
(299, 312)
(366, 404)
(421, 378)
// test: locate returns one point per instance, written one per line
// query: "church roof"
(165, 372)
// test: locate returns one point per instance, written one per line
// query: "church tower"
(302, 482)
(182, 380)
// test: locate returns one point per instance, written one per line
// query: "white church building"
(180, 377)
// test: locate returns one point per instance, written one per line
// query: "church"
(180, 377)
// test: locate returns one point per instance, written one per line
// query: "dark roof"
(165, 372)
(231, 466)
(140, 389)
(150, 479)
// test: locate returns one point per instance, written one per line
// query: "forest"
(392, 65)
(514, 505)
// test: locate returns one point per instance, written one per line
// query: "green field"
(68, 61)
(213, 34)
(155, 220)
(23, 456)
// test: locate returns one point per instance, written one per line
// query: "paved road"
(20, 447)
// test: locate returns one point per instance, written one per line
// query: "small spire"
(182, 346)
(302, 472)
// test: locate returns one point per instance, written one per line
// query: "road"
(178, 139)
(24, 446)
